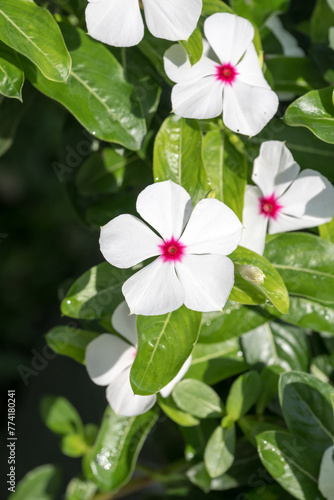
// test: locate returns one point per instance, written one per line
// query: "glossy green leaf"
(199, 476)
(105, 103)
(96, 293)
(70, 341)
(77, 489)
(314, 110)
(32, 31)
(41, 483)
(294, 74)
(178, 156)
(197, 398)
(60, 416)
(271, 286)
(174, 413)
(111, 461)
(321, 20)
(252, 426)
(217, 361)
(226, 168)
(234, 320)
(307, 407)
(220, 450)
(326, 476)
(322, 367)
(309, 314)
(11, 74)
(212, 6)
(281, 345)
(289, 460)
(164, 344)
(306, 264)
(243, 394)
(193, 46)
(269, 379)
(258, 10)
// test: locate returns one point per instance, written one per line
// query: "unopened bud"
(251, 273)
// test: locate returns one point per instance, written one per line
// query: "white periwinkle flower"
(109, 360)
(283, 199)
(120, 23)
(228, 78)
(191, 268)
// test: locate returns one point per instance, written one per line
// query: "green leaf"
(326, 477)
(178, 156)
(327, 231)
(217, 361)
(164, 344)
(321, 20)
(70, 341)
(220, 450)
(306, 264)
(41, 483)
(226, 168)
(243, 393)
(113, 457)
(174, 413)
(212, 6)
(197, 398)
(234, 320)
(314, 110)
(73, 445)
(322, 367)
(60, 416)
(11, 74)
(96, 293)
(199, 476)
(309, 314)
(193, 46)
(10, 115)
(307, 408)
(96, 92)
(269, 387)
(77, 489)
(252, 426)
(281, 345)
(294, 74)
(288, 459)
(271, 286)
(196, 438)
(258, 10)
(32, 31)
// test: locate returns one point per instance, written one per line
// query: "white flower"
(109, 360)
(191, 268)
(120, 23)
(227, 79)
(283, 199)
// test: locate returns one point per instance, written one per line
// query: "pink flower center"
(134, 353)
(226, 73)
(269, 207)
(172, 250)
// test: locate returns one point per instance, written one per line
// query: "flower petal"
(122, 399)
(207, 281)
(115, 22)
(212, 228)
(274, 169)
(166, 206)
(229, 36)
(154, 290)
(165, 391)
(255, 224)
(200, 98)
(178, 67)
(249, 69)
(124, 323)
(125, 241)
(172, 20)
(106, 357)
(308, 202)
(248, 109)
